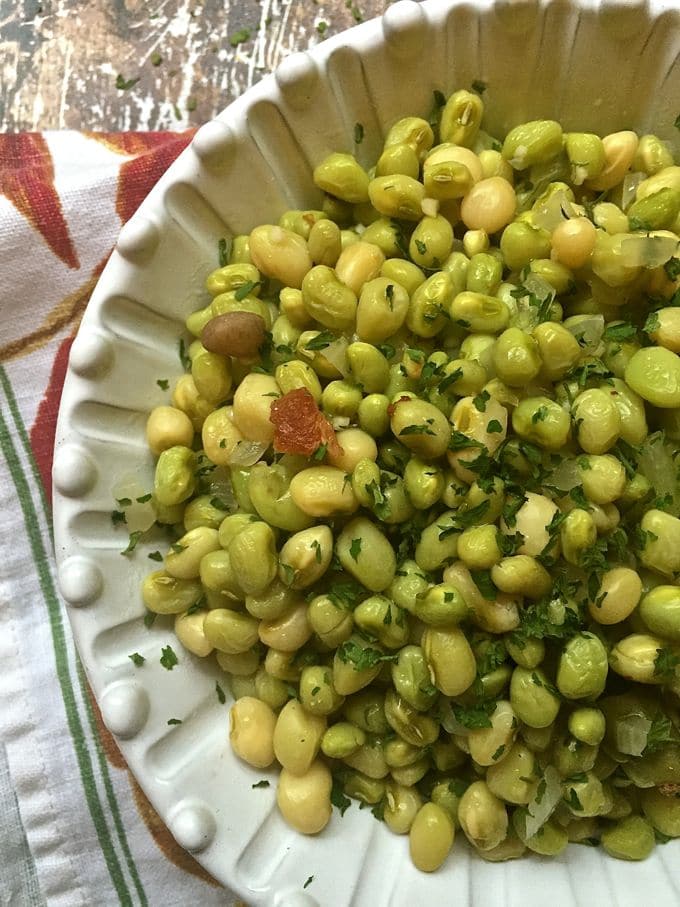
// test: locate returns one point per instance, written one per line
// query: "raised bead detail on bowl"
(192, 825)
(74, 471)
(125, 708)
(80, 581)
(138, 240)
(91, 355)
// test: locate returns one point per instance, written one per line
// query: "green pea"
(542, 421)
(429, 306)
(412, 131)
(408, 584)
(324, 243)
(368, 367)
(534, 142)
(202, 511)
(382, 619)
(332, 623)
(386, 234)
(405, 273)
(366, 710)
(447, 756)
(424, 483)
(341, 740)
(270, 689)
(571, 757)
(578, 533)
(662, 810)
(482, 817)
(652, 155)
(597, 420)
(558, 348)
(340, 398)
(327, 300)
(253, 557)
(549, 841)
(478, 547)
(240, 477)
(654, 374)
(398, 158)
(532, 697)
(396, 506)
(461, 118)
(516, 357)
(451, 661)
(361, 787)
(661, 533)
(230, 631)
(446, 179)
(233, 277)
(512, 778)
(583, 667)
(338, 211)
(397, 196)
(655, 212)
(484, 274)
(431, 241)
(438, 542)
(660, 611)
(411, 725)
(431, 837)
(347, 678)
(296, 374)
(174, 480)
(373, 416)
(527, 653)
(341, 176)
(411, 678)
(402, 805)
(317, 694)
(587, 725)
(457, 265)
(300, 222)
(219, 576)
(441, 606)
(165, 594)
(478, 313)
(273, 602)
(382, 309)
(366, 554)
(630, 839)
(586, 155)
(521, 243)
(240, 250)
(421, 427)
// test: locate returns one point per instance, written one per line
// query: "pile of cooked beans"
(421, 480)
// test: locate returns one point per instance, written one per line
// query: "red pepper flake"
(299, 425)
(391, 408)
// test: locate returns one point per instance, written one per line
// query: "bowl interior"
(595, 67)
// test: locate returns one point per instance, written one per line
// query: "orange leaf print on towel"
(27, 180)
(151, 155)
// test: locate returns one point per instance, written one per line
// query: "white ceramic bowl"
(593, 66)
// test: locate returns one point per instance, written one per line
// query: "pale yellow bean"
(355, 445)
(280, 253)
(220, 436)
(358, 264)
(297, 737)
(489, 745)
(323, 491)
(618, 596)
(251, 732)
(305, 800)
(573, 241)
(252, 406)
(189, 631)
(619, 153)
(431, 837)
(489, 205)
(289, 632)
(168, 427)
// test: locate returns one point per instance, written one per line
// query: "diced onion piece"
(247, 453)
(552, 211)
(565, 475)
(646, 250)
(336, 354)
(632, 733)
(629, 188)
(139, 516)
(545, 800)
(588, 331)
(656, 464)
(430, 207)
(339, 422)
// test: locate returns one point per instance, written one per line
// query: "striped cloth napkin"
(75, 827)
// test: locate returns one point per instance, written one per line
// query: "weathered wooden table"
(148, 64)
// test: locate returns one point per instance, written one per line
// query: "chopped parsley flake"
(260, 784)
(358, 133)
(239, 37)
(220, 693)
(137, 659)
(123, 84)
(163, 383)
(132, 541)
(174, 720)
(355, 549)
(168, 658)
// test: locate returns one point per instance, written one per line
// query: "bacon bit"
(299, 425)
(391, 408)
(669, 789)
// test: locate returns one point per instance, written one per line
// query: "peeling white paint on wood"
(59, 58)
